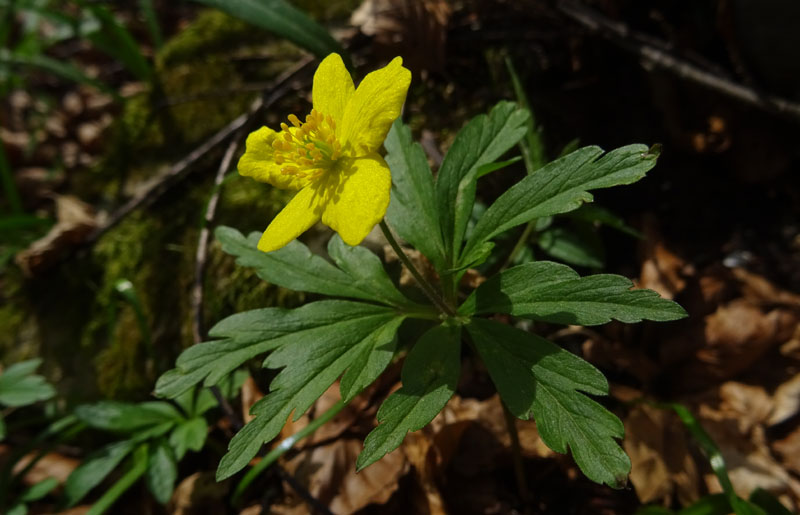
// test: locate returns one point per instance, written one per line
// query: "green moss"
(16, 342)
(211, 32)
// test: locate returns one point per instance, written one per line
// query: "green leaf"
(360, 274)
(18, 509)
(488, 168)
(555, 293)
(311, 362)
(580, 245)
(125, 417)
(413, 212)
(205, 399)
(190, 435)
(3, 428)
(284, 20)
(482, 141)
(63, 69)
(115, 40)
(533, 149)
(162, 471)
(596, 214)
(768, 502)
(243, 336)
(94, 469)
(366, 272)
(19, 386)
(39, 490)
(559, 187)
(430, 376)
(714, 504)
(534, 375)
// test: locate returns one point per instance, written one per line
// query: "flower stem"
(516, 454)
(523, 239)
(426, 286)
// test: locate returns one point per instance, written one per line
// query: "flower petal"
(332, 88)
(303, 211)
(258, 161)
(357, 196)
(373, 107)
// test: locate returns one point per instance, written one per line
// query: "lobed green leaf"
(125, 417)
(555, 293)
(359, 274)
(578, 245)
(188, 436)
(243, 336)
(94, 469)
(482, 141)
(430, 376)
(558, 187)
(162, 471)
(19, 386)
(413, 212)
(311, 362)
(535, 376)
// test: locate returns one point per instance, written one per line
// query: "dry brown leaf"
(749, 405)
(735, 423)
(788, 448)
(51, 464)
(329, 474)
(250, 395)
(758, 288)
(750, 464)
(75, 221)
(786, 401)
(661, 466)
(729, 341)
(199, 494)
(662, 270)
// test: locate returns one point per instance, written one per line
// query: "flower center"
(308, 148)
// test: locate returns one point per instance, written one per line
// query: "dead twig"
(652, 53)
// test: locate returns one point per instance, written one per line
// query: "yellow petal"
(332, 88)
(373, 107)
(303, 211)
(357, 196)
(258, 161)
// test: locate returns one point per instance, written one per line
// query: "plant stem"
(516, 455)
(426, 287)
(523, 239)
(285, 445)
(121, 486)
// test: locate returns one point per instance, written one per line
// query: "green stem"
(121, 486)
(516, 454)
(521, 242)
(285, 445)
(426, 287)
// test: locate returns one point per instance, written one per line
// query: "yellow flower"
(331, 157)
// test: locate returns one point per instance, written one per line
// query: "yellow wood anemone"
(331, 157)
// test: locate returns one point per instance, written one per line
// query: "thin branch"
(654, 55)
(201, 255)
